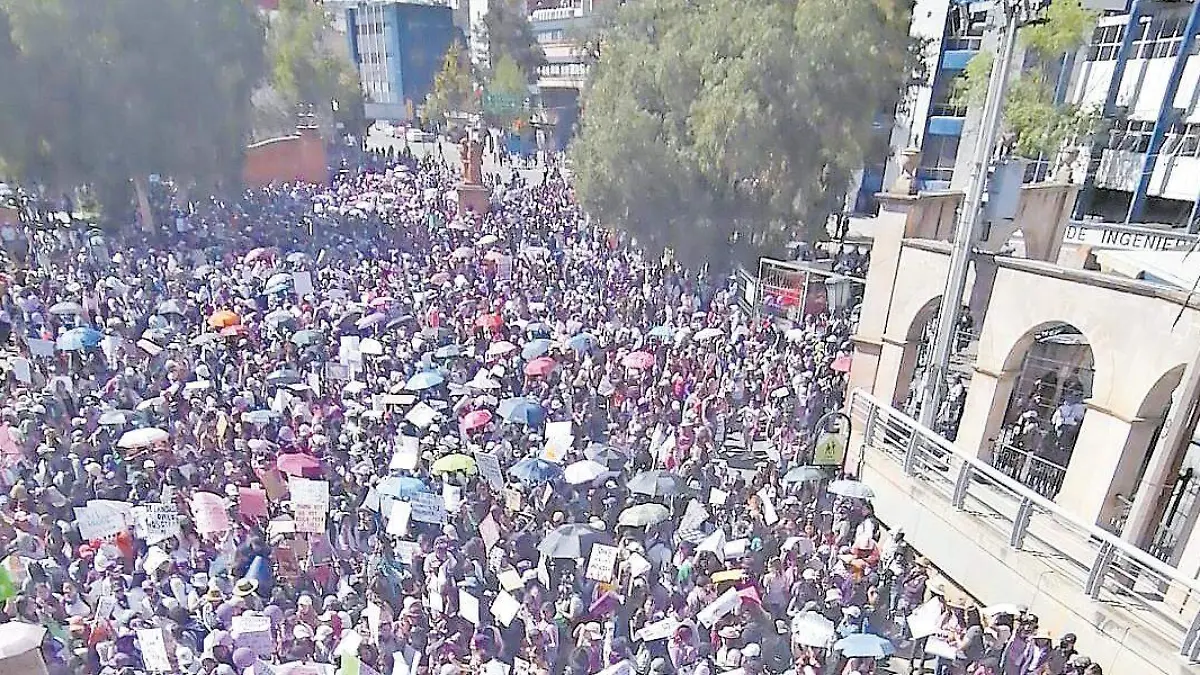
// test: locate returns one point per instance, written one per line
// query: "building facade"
(559, 27)
(398, 49)
(1141, 73)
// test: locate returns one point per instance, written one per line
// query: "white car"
(417, 136)
(382, 127)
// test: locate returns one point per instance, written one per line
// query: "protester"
(343, 429)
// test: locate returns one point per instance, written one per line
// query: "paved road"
(378, 141)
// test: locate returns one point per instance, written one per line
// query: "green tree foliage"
(452, 89)
(122, 89)
(1037, 124)
(308, 67)
(722, 128)
(507, 32)
(507, 89)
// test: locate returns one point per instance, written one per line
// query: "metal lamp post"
(837, 291)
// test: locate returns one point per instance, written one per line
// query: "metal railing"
(1102, 566)
(1036, 473)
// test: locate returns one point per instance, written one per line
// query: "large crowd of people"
(344, 429)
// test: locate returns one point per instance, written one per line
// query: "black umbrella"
(657, 483)
(605, 454)
(572, 541)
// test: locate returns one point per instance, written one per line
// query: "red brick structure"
(289, 159)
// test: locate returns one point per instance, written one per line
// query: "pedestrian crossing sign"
(830, 450)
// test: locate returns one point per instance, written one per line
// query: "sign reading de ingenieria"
(1126, 238)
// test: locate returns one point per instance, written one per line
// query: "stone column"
(897, 360)
(1107, 455)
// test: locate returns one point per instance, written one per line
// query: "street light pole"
(968, 218)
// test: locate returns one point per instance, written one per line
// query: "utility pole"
(1015, 12)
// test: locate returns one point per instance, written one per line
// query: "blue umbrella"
(447, 352)
(424, 380)
(664, 332)
(535, 348)
(401, 487)
(521, 410)
(582, 342)
(864, 645)
(79, 339)
(538, 328)
(534, 471)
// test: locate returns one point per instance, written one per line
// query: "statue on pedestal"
(471, 151)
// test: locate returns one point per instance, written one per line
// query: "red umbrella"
(540, 367)
(476, 419)
(295, 464)
(638, 360)
(490, 321)
(842, 364)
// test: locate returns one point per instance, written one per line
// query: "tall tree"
(720, 128)
(307, 66)
(507, 89)
(507, 31)
(1037, 124)
(126, 89)
(452, 89)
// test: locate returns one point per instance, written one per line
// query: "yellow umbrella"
(453, 463)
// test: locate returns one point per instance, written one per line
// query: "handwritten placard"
(601, 563)
(428, 508)
(310, 502)
(253, 633)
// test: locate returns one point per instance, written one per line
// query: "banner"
(210, 513)
(98, 523)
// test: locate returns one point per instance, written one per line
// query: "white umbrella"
(278, 279)
(851, 488)
(483, 383)
(371, 347)
(487, 240)
(643, 515)
(501, 348)
(141, 438)
(812, 630)
(707, 334)
(584, 471)
(67, 308)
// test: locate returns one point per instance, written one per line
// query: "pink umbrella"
(258, 253)
(296, 464)
(841, 364)
(638, 360)
(540, 367)
(475, 420)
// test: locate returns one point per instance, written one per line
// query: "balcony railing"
(1110, 571)
(1038, 474)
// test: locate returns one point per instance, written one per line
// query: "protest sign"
(638, 565)
(156, 522)
(768, 508)
(303, 283)
(427, 508)
(496, 667)
(717, 497)
(489, 468)
(98, 523)
(155, 558)
(154, 650)
(556, 448)
(693, 516)
(399, 518)
(252, 502)
(41, 348)
(468, 607)
(310, 503)
(658, 630)
(452, 497)
(209, 511)
(253, 633)
(510, 580)
(505, 608)
(726, 603)
(406, 662)
(22, 369)
(406, 551)
(407, 454)
(559, 430)
(421, 415)
(512, 499)
(489, 531)
(926, 619)
(602, 562)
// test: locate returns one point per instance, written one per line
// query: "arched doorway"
(922, 334)
(1046, 408)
